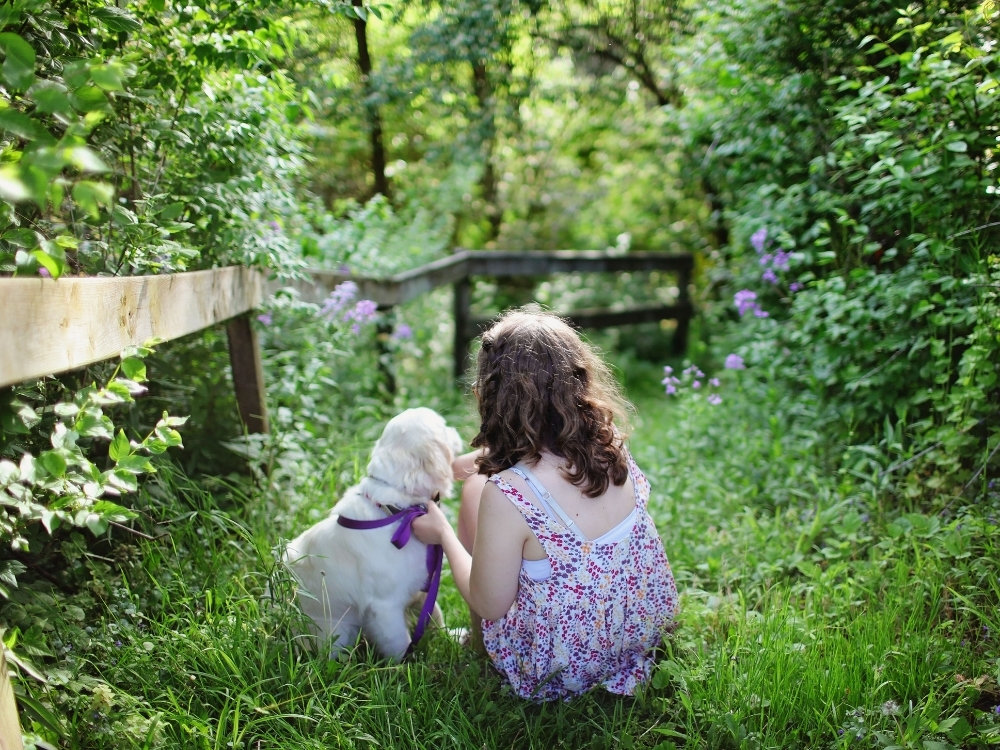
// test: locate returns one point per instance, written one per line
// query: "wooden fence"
(463, 266)
(51, 326)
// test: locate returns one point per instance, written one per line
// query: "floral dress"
(591, 613)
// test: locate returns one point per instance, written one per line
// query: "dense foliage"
(860, 189)
(826, 457)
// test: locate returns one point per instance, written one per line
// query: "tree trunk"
(488, 183)
(371, 108)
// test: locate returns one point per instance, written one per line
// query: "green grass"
(814, 614)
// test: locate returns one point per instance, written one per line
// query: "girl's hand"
(464, 466)
(431, 527)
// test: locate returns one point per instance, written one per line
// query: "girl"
(556, 554)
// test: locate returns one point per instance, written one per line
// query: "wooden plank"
(49, 326)
(504, 263)
(10, 726)
(386, 292)
(248, 374)
(403, 287)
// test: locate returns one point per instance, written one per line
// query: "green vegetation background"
(827, 493)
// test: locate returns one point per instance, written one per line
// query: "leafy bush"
(883, 299)
(63, 483)
(107, 107)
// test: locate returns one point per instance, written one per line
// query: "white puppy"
(354, 580)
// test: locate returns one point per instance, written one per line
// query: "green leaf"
(96, 524)
(120, 446)
(19, 61)
(25, 415)
(12, 189)
(136, 464)
(93, 423)
(63, 409)
(959, 147)
(27, 468)
(53, 462)
(108, 76)
(85, 159)
(171, 211)
(134, 368)
(9, 472)
(54, 263)
(114, 511)
(92, 196)
(116, 19)
(23, 126)
(123, 480)
(52, 98)
(133, 388)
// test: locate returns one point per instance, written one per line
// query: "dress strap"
(545, 498)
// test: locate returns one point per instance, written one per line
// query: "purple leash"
(435, 558)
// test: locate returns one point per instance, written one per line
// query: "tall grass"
(814, 614)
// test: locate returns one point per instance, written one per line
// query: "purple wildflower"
(795, 286)
(363, 311)
(770, 276)
(403, 332)
(780, 260)
(735, 362)
(44, 272)
(265, 319)
(670, 381)
(745, 301)
(338, 298)
(714, 399)
(714, 382)
(758, 238)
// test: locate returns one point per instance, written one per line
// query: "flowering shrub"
(878, 164)
(746, 301)
(692, 380)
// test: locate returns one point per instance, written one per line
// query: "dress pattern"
(596, 618)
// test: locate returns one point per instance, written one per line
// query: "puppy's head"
(415, 453)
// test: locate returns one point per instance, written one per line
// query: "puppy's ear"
(436, 454)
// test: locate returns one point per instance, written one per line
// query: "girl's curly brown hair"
(541, 387)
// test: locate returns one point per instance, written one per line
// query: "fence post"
(248, 373)
(462, 304)
(680, 340)
(10, 727)
(383, 332)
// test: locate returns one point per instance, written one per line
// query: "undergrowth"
(814, 612)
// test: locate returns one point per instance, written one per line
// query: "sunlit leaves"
(68, 482)
(19, 61)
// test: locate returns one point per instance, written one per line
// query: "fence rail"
(460, 268)
(51, 326)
